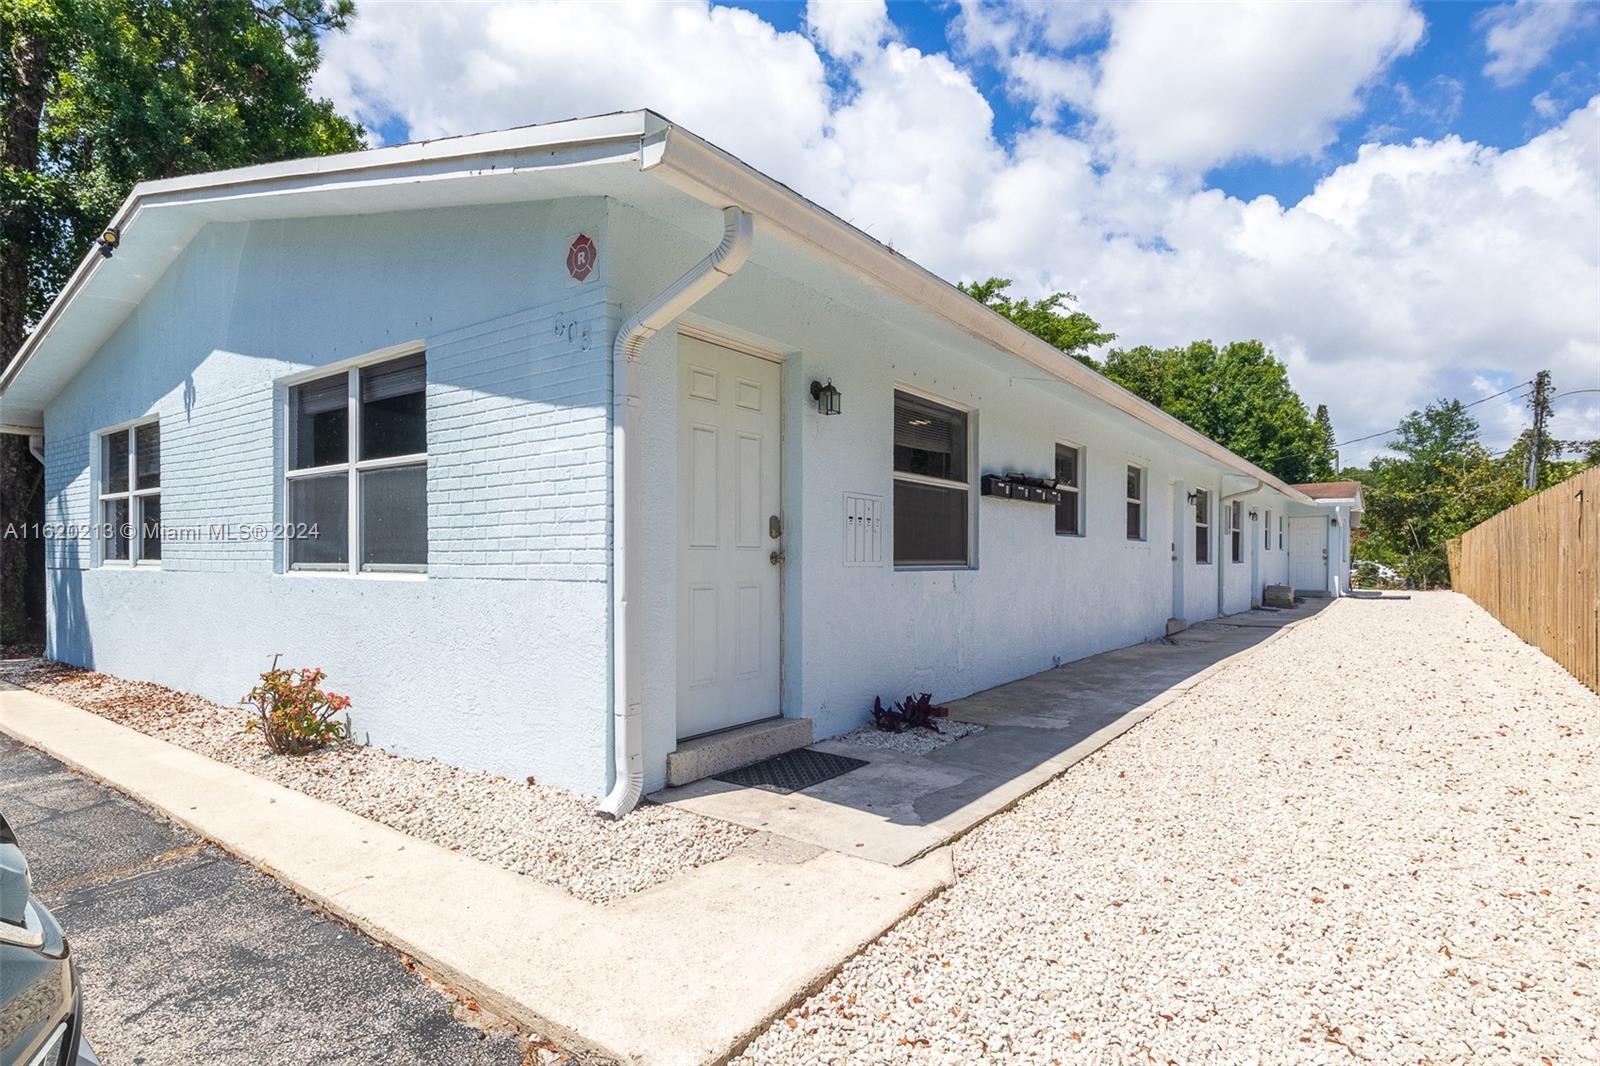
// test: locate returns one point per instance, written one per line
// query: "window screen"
(1135, 503)
(931, 490)
(1069, 473)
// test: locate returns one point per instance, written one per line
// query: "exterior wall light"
(827, 397)
(1194, 494)
(1253, 514)
(1333, 520)
(109, 240)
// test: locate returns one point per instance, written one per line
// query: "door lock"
(774, 527)
(776, 558)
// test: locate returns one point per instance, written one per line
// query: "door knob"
(776, 558)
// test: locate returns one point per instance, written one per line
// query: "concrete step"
(1278, 596)
(733, 748)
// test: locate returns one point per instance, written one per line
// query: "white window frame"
(1077, 491)
(1202, 496)
(938, 482)
(1144, 510)
(1280, 532)
(1236, 531)
(352, 467)
(1266, 526)
(134, 495)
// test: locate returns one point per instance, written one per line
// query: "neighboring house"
(1341, 500)
(521, 436)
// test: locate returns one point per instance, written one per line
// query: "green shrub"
(293, 712)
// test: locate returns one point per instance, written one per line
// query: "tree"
(1442, 482)
(1326, 459)
(100, 94)
(1238, 395)
(96, 95)
(1073, 332)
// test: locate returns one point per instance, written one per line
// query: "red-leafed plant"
(915, 711)
(294, 713)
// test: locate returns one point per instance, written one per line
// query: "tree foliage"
(100, 94)
(96, 95)
(1239, 395)
(1440, 482)
(1073, 332)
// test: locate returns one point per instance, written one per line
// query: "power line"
(1474, 403)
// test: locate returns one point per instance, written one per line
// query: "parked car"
(41, 1001)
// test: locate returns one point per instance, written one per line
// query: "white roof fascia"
(363, 167)
(710, 174)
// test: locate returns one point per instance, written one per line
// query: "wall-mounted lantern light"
(827, 397)
(1194, 494)
(1253, 514)
(1333, 519)
(109, 240)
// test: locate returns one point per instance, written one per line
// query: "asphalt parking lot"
(190, 956)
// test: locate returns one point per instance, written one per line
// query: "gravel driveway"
(1376, 839)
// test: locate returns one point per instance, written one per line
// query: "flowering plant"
(293, 712)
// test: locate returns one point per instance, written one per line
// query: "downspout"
(627, 759)
(1224, 506)
(36, 446)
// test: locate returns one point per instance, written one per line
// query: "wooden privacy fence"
(1536, 567)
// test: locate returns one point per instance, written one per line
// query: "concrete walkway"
(681, 973)
(902, 806)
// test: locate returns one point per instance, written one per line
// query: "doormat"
(791, 771)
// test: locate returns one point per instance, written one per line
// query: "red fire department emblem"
(580, 257)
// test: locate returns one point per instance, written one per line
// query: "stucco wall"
(1033, 599)
(497, 659)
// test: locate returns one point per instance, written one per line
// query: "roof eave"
(618, 126)
(717, 178)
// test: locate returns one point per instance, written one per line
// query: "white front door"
(728, 538)
(1308, 553)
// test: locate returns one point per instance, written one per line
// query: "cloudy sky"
(1402, 200)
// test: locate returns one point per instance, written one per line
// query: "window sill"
(143, 567)
(1070, 536)
(932, 568)
(360, 575)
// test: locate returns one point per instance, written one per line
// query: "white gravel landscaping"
(1376, 839)
(911, 741)
(547, 833)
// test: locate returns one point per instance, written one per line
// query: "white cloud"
(1520, 36)
(1406, 274)
(1192, 85)
(847, 29)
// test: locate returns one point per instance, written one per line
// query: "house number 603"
(573, 333)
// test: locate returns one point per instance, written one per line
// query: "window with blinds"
(932, 486)
(1135, 502)
(1069, 482)
(356, 497)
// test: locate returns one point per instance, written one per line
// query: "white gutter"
(627, 761)
(36, 446)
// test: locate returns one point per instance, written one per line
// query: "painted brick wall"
(517, 436)
(504, 675)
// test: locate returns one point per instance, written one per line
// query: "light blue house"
(525, 438)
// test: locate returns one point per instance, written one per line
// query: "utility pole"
(1538, 440)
